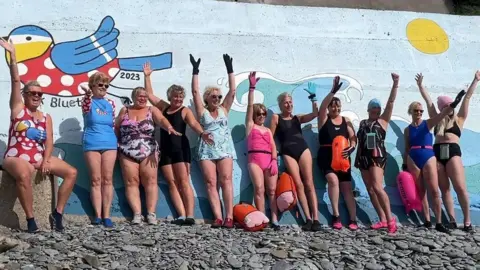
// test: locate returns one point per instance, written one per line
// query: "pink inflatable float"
(408, 192)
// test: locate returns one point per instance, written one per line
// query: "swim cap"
(443, 101)
(374, 103)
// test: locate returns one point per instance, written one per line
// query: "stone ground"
(167, 246)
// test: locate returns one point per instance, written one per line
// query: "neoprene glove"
(336, 85)
(228, 63)
(312, 90)
(195, 65)
(348, 151)
(457, 100)
(36, 135)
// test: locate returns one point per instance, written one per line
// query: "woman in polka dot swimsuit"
(30, 146)
(99, 145)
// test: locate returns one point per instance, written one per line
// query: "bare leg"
(367, 179)
(225, 170)
(347, 192)
(333, 192)
(148, 178)
(182, 179)
(22, 172)
(382, 196)
(415, 171)
(444, 184)
(108, 163)
(94, 165)
(293, 170)
(209, 170)
(68, 173)
(271, 186)
(169, 176)
(305, 164)
(131, 178)
(256, 175)
(431, 180)
(456, 172)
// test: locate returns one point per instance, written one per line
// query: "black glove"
(228, 63)
(348, 151)
(126, 100)
(404, 168)
(195, 65)
(336, 85)
(457, 100)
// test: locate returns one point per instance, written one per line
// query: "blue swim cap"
(374, 103)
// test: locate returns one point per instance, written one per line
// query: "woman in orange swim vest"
(330, 125)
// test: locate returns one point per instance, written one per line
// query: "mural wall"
(288, 47)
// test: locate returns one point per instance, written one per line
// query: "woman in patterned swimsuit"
(135, 128)
(219, 156)
(371, 156)
(30, 146)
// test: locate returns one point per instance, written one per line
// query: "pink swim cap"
(443, 101)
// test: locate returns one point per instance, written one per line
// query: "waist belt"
(325, 145)
(259, 151)
(422, 147)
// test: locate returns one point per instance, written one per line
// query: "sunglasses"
(262, 114)
(103, 85)
(418, 111)
(34, 93)
(217, 96)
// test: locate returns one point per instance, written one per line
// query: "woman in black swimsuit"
(175, 150)
(371, 157)
(331, 125)
(448, 153)
(296, 155)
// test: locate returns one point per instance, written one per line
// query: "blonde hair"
(208, 91)
(98, 77)
(446, 123)
(175, 89)
(29, 84)
(136, 90)
(281, 98)
(412, 106)
(257, 108)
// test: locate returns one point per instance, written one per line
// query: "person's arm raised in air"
(322, 112)
(446, 111)
(463, 111)
(230, 97)
(432, 111)
(156, 101)
(387, 112)
(249, 115)
(311, 90)
(16, 103)
(197, 99)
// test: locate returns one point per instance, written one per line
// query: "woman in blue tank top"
(99, 145)
(419, 158)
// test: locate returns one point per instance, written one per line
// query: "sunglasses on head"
(217, 96)
(103, 85)
(418, 111)
(34, 93)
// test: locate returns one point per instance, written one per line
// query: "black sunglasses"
(215, 96)
(418, 111)
(34, 93)
(103, 85)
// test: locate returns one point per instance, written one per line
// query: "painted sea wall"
(61, 43)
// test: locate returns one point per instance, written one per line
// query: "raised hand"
(312, 90)
(395, 77)
(86, 89)
(207, 137)
(477, 75)
(253, 80)
(173, 131)
(147, 69)
(7, 45)
(126, 100)
(228, 63)
(336, 85)
(457, 100)
(195, 64)
(419, 79)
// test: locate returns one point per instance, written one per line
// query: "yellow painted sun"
(427, 36)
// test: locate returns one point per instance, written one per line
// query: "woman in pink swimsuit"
(30, 146)
(262, 154)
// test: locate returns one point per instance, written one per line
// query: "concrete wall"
(287, 46)
(433, 6)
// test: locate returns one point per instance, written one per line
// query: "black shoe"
(441, 228)
(275, 226)
(178, 221)
(308, 225)
(316, 226)
(452, 225)
(427, 224)
(56, 222)
(189, 222)
(468, 228)
(32, 225)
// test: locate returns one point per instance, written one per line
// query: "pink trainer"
(379, 225)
